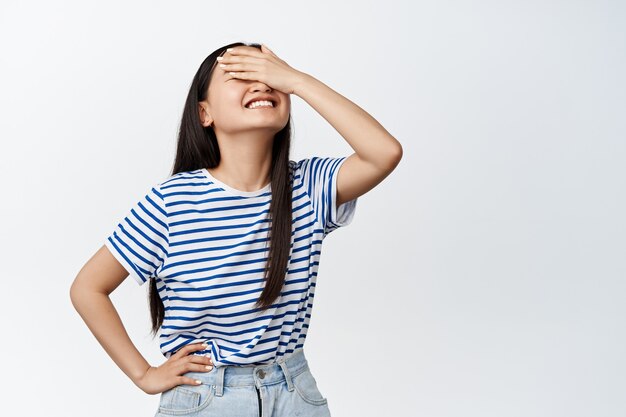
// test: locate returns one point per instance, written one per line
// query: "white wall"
(485, 276)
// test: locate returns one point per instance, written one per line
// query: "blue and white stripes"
(319, 176)
(140, 241)
(206, 244)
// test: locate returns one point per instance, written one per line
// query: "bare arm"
(369, 139)
(90, 296)
(376, 151)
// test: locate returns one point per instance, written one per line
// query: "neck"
(245, 160)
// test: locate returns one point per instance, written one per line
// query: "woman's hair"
(198, 148)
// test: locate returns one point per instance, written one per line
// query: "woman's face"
(227, 99)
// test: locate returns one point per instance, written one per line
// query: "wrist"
(138, 376)
(302, 81)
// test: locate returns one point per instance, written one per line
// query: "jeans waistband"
(285, 367)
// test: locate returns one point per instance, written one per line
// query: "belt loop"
(283, 366)
(219, 387)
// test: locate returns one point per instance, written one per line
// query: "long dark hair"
(198, 148)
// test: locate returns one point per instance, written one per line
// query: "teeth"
(259, 103)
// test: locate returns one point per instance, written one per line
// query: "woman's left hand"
(250, 63)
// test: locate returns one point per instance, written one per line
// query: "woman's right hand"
(170, 373)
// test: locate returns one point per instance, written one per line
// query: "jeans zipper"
(258, 394)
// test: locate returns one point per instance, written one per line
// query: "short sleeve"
(140, 242)
(319, 179)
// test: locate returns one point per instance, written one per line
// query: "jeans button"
(261, 373)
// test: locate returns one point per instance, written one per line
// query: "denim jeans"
(285, 388)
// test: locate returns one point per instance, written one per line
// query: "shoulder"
(318, 166)
(178, 180)
(305, 163)
(165, 187)
(294, 167)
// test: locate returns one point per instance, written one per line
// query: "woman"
(230, 242)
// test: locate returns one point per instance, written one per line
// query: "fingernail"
(206, 345)
(198, 381)
(219, 58)
(229, 49)
(209, 367)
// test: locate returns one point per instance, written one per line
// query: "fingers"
(198, 366)
(251, 51)
(202, 360)
(172, 372)
(244, 50)
(188, 381)
(193, 363)
(187, 349)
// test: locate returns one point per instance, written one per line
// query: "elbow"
(75, 294)
(398, 154)
(78, 294)
(394, 157)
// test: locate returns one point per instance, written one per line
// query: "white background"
(484, 277)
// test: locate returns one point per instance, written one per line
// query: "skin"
(376, 151)
(244, 138)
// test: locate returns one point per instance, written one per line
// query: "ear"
(205, 118)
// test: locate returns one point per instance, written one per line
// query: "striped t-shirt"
(206, 244)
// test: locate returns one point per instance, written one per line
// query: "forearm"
(369, 139)
(102, 319)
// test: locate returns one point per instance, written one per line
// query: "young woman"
(230, 242)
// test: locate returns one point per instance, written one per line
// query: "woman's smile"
(261, 104)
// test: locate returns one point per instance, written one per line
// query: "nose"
(260, 86)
